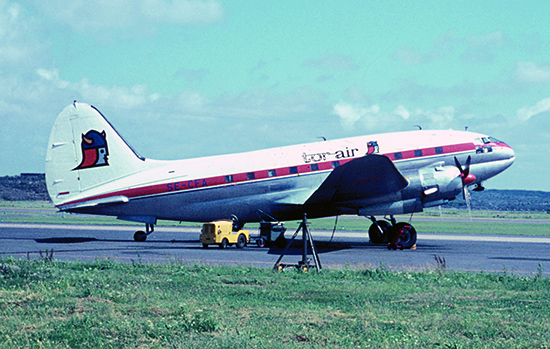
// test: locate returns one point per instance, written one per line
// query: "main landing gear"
(396, 235)
(141, 235)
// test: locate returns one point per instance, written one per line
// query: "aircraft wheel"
(140, 236)
(224, 244)
(377, 237)
(260, 242)
(204, 245)
(408, 235)
(241, 241)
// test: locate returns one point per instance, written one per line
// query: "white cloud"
(99, 15)
(531, 72)
(526, 113)
(52, 76)
(129, 97)
(402, 111)
(20, 43)
(440, 117)
(350, 114)
(373, 117)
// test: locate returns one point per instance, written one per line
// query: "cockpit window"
(487, 140)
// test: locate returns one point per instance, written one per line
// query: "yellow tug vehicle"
(221, 233)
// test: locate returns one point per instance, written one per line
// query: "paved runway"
(510, 254)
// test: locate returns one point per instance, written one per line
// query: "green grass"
(42, 212)
(430, 221)
(51, 304)
(489, 228)
(111, 305)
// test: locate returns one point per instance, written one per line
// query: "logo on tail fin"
(94, 150)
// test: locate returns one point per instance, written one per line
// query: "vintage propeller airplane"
(91, 169)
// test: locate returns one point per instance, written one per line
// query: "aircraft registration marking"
(182, 185)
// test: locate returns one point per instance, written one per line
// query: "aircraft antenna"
(323, 138)
(419, 127)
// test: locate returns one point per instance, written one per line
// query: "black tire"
(241, 241)
(407, 238)
(224, 244)
(377, 237)
(260, 242)
(204, 245)
(140, 236)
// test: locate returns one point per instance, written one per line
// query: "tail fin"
(85, 151)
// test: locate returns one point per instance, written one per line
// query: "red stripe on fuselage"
(238, 178)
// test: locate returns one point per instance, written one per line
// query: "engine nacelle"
(434, 185)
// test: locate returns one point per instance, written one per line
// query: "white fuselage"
(277, 182)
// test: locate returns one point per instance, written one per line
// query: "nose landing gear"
(397, 235)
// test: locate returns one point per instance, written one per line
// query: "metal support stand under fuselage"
(306, 237)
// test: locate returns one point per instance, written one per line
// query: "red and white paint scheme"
(91, 169)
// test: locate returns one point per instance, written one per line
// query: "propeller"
(467, 178)
(465, 175)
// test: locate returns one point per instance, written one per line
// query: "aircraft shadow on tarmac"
(76, 240)
(325, 247)
(65, 240)
(295, 249)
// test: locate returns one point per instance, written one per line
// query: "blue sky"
(185, 78)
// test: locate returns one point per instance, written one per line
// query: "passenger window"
(314, 167)
(418, 153)
(438, 150)
(335, 164)
(272, 173)
(398, 156)
(229, 179)
(250, 175)
(293, 170)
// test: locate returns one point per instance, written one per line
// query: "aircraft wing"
(366, 177)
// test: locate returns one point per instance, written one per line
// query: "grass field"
(110, 305)
(430, 221)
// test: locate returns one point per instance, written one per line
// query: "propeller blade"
(458, 165)
(467, 169)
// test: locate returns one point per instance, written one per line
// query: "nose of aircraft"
(502, 158)
(506, 154)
